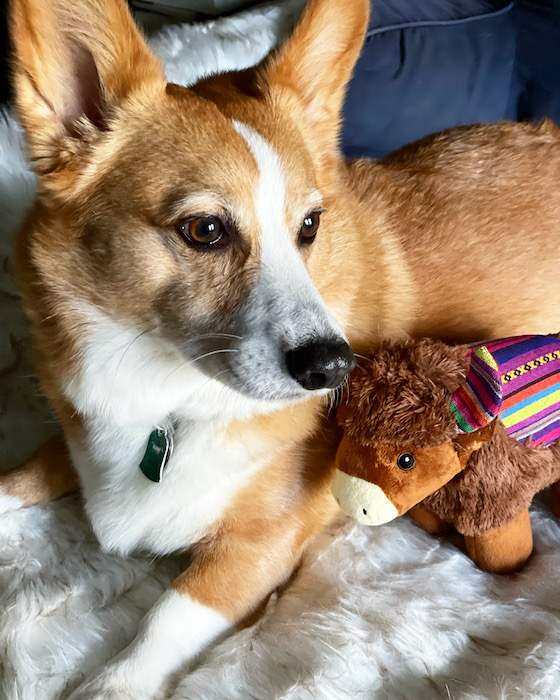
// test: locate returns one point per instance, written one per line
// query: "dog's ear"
(318, 59)
(74, 61)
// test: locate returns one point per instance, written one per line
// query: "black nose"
(320, 365)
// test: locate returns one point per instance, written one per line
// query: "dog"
(196, 268)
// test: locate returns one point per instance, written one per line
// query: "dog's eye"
(405, 461)
(203, 231)
(309, 227)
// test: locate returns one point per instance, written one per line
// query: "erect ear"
(467, 443)
(74, 60)
(318, 59)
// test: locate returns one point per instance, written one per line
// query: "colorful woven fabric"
(515, 379)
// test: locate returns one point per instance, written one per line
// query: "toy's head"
(403, 436)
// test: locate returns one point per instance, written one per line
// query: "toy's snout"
(362, 500)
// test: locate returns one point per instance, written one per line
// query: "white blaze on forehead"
(282, 264)
(270, 197)
(284, 291)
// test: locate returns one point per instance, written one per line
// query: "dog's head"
(205, 217)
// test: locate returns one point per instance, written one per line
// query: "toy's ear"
(467, 443)
(476, 403)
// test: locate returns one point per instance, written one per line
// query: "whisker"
(146, 330)
(336, 396)
(224, 371)
(345, 387)
(196, 359)
(214, 352)
(114, 337)
(216, 335)
(363, 357)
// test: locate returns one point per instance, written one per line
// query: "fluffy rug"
(383, 612)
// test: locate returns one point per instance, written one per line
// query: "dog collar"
(157, 454)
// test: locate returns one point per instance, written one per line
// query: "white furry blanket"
(384, 612)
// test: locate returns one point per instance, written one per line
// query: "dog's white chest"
(128, 511)
(126, 385)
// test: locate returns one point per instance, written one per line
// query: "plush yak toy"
(458, 437)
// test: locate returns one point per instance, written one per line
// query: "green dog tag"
(158, 452)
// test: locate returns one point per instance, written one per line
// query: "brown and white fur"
(133, 326)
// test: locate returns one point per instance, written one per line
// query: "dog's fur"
(131, 325)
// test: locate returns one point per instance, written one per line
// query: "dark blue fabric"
(537, 89)
(434, 64)
(386, 13)
(427, 66)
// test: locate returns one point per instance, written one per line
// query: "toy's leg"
(46, 475)
(505, 549)
(555, 499)
(427, 520)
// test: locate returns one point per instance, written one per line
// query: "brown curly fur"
(400, 393)
(400, 396)
(500, 481)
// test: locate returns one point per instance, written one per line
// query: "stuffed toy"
(460, 437)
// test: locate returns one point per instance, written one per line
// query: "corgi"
(196, 268)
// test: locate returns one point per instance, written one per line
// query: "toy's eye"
(405, 461)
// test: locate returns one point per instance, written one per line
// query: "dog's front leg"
(171, 634)
(223, 585)
(45, 475)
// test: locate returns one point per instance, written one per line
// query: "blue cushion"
(536, 93)
(427, 66)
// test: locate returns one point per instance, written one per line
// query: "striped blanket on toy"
(518, 380)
